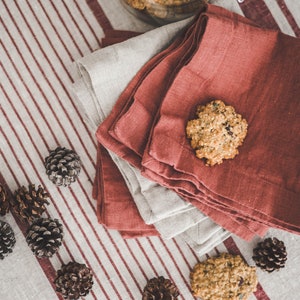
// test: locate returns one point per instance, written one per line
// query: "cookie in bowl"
(161, 12)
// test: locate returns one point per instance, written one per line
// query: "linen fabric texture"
(223, 56)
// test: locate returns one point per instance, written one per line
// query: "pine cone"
(7, 239)
(160, 288)
(74, 280)
(44, 237)
(270, 254)
(62, 166)
(29, 204)
(4, 204)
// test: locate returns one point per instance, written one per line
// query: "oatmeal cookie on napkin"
(217, 132)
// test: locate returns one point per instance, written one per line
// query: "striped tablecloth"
(40, 40)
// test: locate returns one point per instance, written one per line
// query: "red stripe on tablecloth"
(99, 15)
(232, 247)
(43, 93)
(164, 265)
(257, 11)
(72, 18)
(86, 20)
(289, 17)
(45, 264)
(65, 27)
(135, 258)
(176, 265)
(147, 257)
(54, 71)
(33, 98)
(183, 256)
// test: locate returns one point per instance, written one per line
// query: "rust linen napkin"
(241, 64)
(262, 183)
(115, 206)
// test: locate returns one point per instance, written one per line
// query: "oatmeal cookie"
(217, 132)
(225, 277)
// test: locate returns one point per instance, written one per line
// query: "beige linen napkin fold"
(103, 76)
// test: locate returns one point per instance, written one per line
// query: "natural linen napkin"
(241, 64)
(102, 81)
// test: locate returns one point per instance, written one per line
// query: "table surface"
(41, 39)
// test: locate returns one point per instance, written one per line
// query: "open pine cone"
(7, 239)
(159, 288)
(44, 236)
(62, 166)
(4, 203)
(30, 203)
(270, 254)
(74, 280)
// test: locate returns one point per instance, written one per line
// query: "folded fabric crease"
(217, 55)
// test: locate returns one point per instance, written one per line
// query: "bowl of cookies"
(161, 12)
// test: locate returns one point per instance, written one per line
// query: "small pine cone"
(62, 166)
(44, 237)
(7, 239)
(270, 254)
(74, 280)
(30, 204)
(159, 288)
(4, 203)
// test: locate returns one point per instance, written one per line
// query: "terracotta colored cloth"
(115, 206)
(117, 36)
(221, 56)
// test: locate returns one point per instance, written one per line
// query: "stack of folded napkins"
(138, 96)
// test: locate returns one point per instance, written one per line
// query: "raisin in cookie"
(217, 132)
(225, 277)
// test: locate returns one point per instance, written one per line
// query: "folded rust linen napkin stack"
(223, 56)
(103, 76)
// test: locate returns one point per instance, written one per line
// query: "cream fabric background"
(40, 40)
